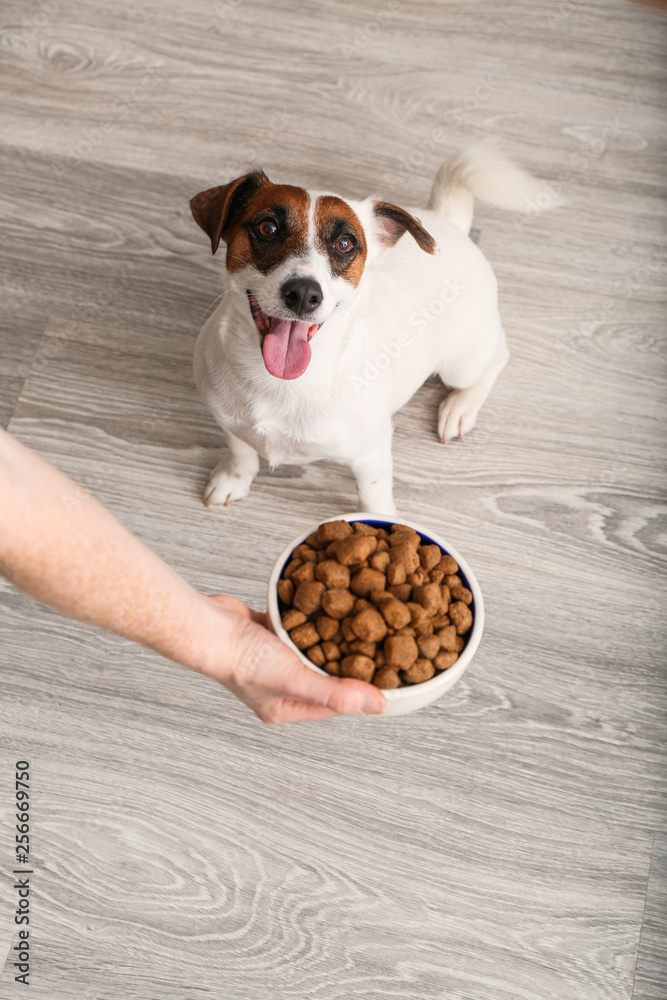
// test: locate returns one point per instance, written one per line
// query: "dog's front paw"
(457, 415)
(225, 485)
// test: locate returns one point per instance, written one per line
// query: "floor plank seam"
(641, 923)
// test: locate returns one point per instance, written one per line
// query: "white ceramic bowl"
(402, 700)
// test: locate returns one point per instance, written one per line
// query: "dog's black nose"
(301, 295)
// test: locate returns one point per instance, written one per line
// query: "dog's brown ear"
(215, 209)
(394, 222)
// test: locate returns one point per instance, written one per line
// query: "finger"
(287, 710)
(339, 695)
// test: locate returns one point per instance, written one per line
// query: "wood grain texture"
(505, 843)
(652, 959)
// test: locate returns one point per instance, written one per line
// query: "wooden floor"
(507, 843)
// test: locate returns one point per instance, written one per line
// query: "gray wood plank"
(651, 974)
(21, 326)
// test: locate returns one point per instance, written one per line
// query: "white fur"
(412, 315)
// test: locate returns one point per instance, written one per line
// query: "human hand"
(269, 677)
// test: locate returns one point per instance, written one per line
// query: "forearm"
(58, 544)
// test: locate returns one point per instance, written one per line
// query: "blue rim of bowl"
(474, 635)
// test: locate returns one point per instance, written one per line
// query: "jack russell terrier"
(335, 312)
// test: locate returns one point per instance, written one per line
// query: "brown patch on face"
(279, 205)
(395, 221)
(336, 225)
(234, 212)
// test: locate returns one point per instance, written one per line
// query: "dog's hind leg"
(373, 471)
(458, 411)
(233, 475)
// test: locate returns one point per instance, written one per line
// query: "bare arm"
(58, 544)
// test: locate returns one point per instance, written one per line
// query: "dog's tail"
(483, 171)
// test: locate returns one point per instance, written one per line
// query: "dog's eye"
(267, 228)
(345, 243)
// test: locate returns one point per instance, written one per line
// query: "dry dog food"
(383, 606)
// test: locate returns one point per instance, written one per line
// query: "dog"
(335, 311)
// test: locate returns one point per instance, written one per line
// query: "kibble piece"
(439, 621)
(291, 566)
(359, 646)
(406, 555)
(355, 549)
(448, 565)
(405, 536)
(369, 625)
(446, 596)
(380, 597)
(436, 575)
(418, 613)
(337, 603)
(421, 670)
(333, 531)
(429, 596)
(316, 654)
(362, 528)
(361, 604)
(313, 541)
(357, 665)
(424, 628)
(333, 667)
(443, 661)
(321, 555)
(285, 591)
(461, 616)
(386, 678)
(326, 626)
(401, 592)
(332, 574)
(382, 545)
(429, 646)
(447, 638)
(305, 552)
(292, 618)
(380, 560)
(453, 581)
(344, 647)
(347, 630)
(400, 651)
(305, 573)
(417, 578)
(304, 636)
(406, 630)
(460, 643)
(462, 594)
(365, 581)
(395, 613)
(429, 556)
(331, 650)
(396, 574)
(308, 597)
(379, 658)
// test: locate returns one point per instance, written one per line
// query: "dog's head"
(296, 256)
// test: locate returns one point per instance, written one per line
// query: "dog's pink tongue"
(286, 349)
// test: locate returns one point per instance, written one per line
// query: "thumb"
(338, 694)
